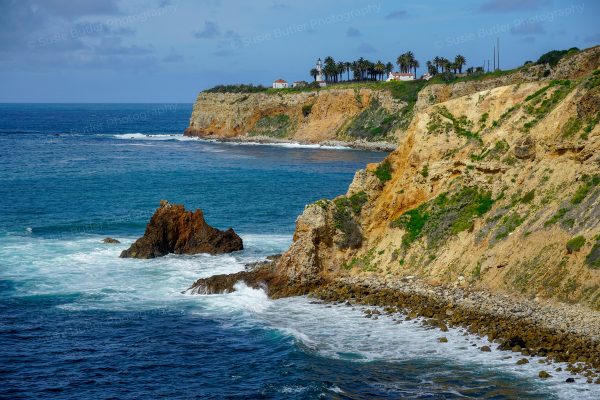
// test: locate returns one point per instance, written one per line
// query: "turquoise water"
(77, 321)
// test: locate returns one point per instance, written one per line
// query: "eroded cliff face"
(492, 186)
(306, 116)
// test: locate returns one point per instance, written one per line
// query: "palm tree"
(437, 63)
(415, 64)
(329, 68)
(370, 70)
(341, 67)
(444, 64)
(354, 69)
(402, 62)
(314, 73)
(360, 65)
(389, 67)
(431, 68)
(347, 66)
(379, 69)
(459, 61)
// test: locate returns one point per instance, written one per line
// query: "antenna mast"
(498, 47)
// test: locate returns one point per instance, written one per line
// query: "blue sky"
(169, 50)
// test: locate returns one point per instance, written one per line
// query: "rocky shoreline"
(266, 140)
(559, 332)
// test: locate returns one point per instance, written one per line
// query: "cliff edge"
(358, 114)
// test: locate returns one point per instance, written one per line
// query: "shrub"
(357, 201)
(588, 184)
(306, 109)
(240, 88)
(412, 222)
(572, 126)
(575, 244)
(508, 224)
(529, 196)
(384, 171)
(343, 221)
(373, 123)
(447, 214)
(556, 217)
(554, 56)
(593, 258)
(272, 125)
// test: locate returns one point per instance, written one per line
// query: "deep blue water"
(78, 322)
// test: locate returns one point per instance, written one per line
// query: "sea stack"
(173, 229)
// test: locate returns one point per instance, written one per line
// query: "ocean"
(76, 321)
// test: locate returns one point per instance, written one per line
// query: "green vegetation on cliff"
(276, 126)
(447, 214)
(384, 171)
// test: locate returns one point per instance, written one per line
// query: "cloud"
(507, 6)
(399, 14)
(223, 52)
(114, 46)
(211, 30)
(353, 32)
(528, 28)
(366, 48)
(280, 6)
(75, 9)
(173, 57)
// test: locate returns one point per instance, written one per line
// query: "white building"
(320, 78)
(280, 84)
(400, 76)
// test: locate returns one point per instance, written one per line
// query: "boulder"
(110, 240)
(173, 229)
(525, 148)
(544, 375)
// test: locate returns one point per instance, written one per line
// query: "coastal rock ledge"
(173, 229)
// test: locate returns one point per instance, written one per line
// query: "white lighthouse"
(320, 78)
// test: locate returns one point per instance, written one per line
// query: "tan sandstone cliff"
(311, 116)
(494, 186)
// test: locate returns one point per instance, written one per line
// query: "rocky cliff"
(494, 185)
(352, 114)
(487, 215)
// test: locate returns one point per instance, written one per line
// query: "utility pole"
(498, 47)
(494, 59)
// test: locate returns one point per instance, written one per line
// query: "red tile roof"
(280, 81)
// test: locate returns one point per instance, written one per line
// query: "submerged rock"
(110, 240)
(173, 229)
(544, 375)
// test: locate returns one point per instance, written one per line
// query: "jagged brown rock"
(172, 229)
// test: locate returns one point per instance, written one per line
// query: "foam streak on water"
(76, 321)
(90, 270)
(180, 137)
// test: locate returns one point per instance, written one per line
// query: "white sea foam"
(159, 137)
(102, 280)
(289, 145)
(181, 137)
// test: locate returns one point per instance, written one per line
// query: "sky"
(169, 50)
